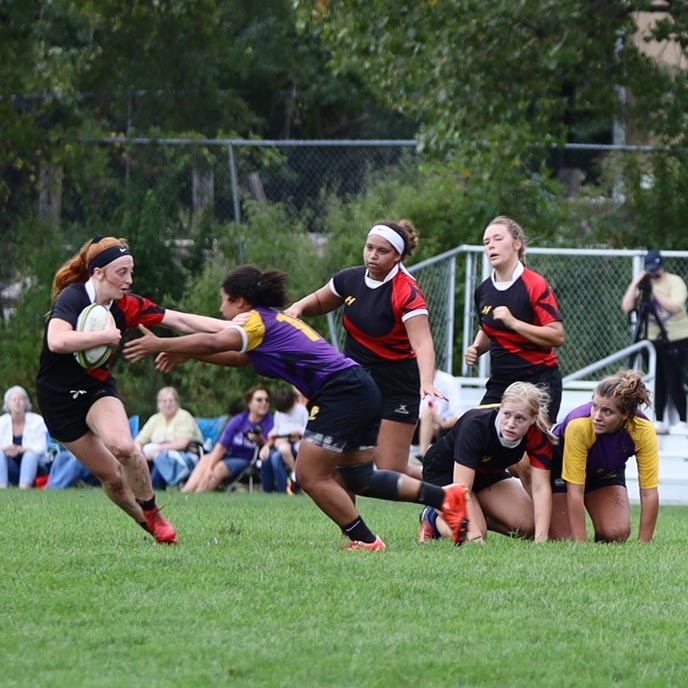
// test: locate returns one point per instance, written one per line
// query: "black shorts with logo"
(344, 415)
(64, 410)
(399, 384)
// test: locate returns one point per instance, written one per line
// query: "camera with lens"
(645, 286)
(255, 430)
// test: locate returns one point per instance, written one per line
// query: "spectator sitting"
(279, 451)
(66, 471)
(23, 440)
(242, 437)
(438, 415)
(164, 440)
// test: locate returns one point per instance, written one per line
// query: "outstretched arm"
(190, 345)
(191, 322)
(319, 302)
(167, 362)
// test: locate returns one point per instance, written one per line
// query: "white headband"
(388, 233)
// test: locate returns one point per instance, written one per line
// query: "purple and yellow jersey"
(282, 347)
(585, 453)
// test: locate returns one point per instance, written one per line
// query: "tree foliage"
(470, 71)
(493, 85)
(487, 88)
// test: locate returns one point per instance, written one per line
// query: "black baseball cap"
(653, 261)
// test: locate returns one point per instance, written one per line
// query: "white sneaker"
(661, 428)
(681, 428)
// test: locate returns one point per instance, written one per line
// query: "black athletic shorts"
(438, 467)
(550, 378)
(65, 410)
(344, 415)
(399, 384)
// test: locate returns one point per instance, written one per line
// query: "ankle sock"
(431, 495)
(358, 530)
(147, 504)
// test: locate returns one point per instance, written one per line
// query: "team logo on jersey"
(486, 310)
(77, 392)
(315, 410)
(485, 459)
(401, 409)
(349, 300)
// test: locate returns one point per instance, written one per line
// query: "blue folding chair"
(134, 424)
(211, 429)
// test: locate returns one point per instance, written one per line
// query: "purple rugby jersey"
(283, 347)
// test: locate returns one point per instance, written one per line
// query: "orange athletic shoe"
(454, 510)
(427, 530)
(376, 546)
(159, 527)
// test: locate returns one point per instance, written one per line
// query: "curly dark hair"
(257, 287)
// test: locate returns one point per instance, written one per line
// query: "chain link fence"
(589, 285)
(220, 176)
(214, 178)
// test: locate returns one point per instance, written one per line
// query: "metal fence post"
(235, 184)
(468, 333)
(451, 300)
(235, 198)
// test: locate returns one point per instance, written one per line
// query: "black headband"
(107, 256)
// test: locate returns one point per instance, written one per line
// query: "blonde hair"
(627, 389)
(406, 230)
(516, 231)
(76, 268)
(536, 400)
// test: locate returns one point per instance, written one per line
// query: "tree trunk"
(202, 194)
(50, 194)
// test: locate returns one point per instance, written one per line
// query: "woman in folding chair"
(344, 402)
(238, 447)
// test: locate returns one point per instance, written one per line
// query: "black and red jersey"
(59, 370)
(374, 314)
(473, 442)
(530, 299)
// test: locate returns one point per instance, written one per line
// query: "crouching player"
(477, 451)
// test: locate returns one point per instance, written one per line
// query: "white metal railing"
(627, 353)
(584, 379)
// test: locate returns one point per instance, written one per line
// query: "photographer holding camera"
(242, 438)
(659, 297)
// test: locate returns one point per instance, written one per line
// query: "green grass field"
(258, 593)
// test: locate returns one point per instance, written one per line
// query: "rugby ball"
(94, 318)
